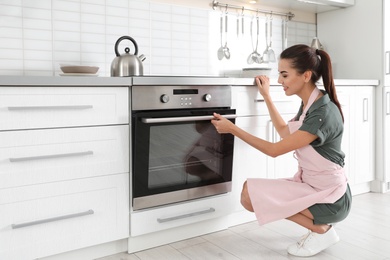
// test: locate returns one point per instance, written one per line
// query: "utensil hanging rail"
(216, 4)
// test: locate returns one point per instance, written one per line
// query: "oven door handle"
(182, 119)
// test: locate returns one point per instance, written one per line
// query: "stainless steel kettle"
(127, 64)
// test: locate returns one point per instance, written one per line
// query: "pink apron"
(318, 180)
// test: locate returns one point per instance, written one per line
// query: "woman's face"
(289, 77)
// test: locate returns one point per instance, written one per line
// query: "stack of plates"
(79, 70)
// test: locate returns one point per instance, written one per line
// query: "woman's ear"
(307, 75)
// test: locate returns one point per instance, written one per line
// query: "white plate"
(78, 69)
(79, 74)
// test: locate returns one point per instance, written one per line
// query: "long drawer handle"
(259, 100)
(197, 213)
(52, 156)
(41, 221)
(182, 119)
(388, 103)
(50, 107)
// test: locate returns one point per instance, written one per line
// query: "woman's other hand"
(262, 83)
(221, 124)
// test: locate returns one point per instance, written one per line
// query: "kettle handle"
(125, 38)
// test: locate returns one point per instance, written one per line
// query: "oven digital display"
(185, 91)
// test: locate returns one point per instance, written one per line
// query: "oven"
(177, 155)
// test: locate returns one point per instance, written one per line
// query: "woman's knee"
(245, 199)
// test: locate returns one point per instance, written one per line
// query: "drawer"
(158, 219)
(247, 101)
(47, 219)
(48, 155)
(47, 107)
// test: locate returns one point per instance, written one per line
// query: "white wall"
(38, 35)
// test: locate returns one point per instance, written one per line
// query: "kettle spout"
(142, 57)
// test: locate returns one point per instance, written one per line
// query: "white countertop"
(151, 80)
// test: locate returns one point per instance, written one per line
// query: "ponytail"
(304, 58)
(326, 73)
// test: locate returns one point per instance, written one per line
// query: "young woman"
(318, 195)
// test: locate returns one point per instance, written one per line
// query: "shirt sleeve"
(313, 123)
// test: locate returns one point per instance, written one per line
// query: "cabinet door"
(48, 107)
(386, 134)
(358, 139)
(363, 143)
(49, 155)
(344, 95)
(283, 166)
(386, 34)
(47, 219)
(249, 162)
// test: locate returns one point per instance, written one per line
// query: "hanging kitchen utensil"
(220, 52)
(284, 33)
(271, 53)
(266, 53)
(226, 50)
(242, 22)
(238, 25)
(127, 64)
(255, 56)
(316, 44)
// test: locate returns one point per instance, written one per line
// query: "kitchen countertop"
(150, 80)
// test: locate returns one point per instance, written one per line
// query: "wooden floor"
(365, 234)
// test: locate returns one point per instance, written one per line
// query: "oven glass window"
(185, 153)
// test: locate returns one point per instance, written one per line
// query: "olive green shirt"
(324, 120)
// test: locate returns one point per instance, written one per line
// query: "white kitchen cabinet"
(359, 139)
(365, 57)
(253, 117)
(249, 162)
(49, 107)
(386, 145)
(64, 169)
(181, 214)
(283, 166)
(345, 98)
(47, 155)
(52, 218)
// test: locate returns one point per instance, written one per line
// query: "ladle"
(255, 56)
(220, 52)
(271, 53)
(266, 53)
(226, 50)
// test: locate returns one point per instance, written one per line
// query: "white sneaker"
(312, 243)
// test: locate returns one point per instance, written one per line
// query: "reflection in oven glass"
(184, 153)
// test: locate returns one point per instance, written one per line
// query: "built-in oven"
(177, 155)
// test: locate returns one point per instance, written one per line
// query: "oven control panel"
(180, 97)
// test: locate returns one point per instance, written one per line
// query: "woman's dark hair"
(304, 58)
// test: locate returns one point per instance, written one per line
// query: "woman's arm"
(280, 125)
(291, 142)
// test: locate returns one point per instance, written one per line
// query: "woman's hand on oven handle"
(222, 125)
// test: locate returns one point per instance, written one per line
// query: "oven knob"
(164, 98)
(207, 97)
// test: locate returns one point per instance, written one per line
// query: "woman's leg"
(245, 199)
(303, 218)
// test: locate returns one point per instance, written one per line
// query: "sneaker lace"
(301, 242)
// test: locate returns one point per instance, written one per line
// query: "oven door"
(178, 155)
